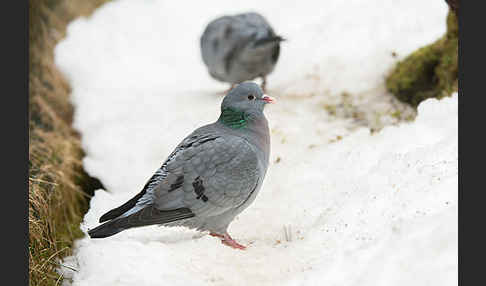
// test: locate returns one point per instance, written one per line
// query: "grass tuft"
(59, 188)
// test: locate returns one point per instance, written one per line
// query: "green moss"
(431, 71)
(397, 114)
(414, 78)
(448, 66)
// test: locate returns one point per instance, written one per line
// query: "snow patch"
(338, 205)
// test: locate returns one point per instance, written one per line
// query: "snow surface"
(339, 206)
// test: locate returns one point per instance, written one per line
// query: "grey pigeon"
(239, 48)
(210, 177)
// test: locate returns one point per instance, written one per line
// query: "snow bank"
(368, 210)
(358, 209)
(135, 68)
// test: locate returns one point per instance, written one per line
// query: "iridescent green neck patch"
(234, 119)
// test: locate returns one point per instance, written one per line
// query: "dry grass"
(57, 181)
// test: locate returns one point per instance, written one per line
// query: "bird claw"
(226, 239)
(234, 244)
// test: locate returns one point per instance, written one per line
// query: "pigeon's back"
(225, 37)
(253, 20)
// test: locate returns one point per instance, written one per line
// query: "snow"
(339, 206)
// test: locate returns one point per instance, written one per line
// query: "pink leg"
(227, 240)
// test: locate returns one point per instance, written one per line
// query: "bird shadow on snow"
(179, 235)
(166, 235)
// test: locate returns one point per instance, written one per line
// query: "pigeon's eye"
(251, 97)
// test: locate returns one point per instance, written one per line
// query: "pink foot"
(227, 240)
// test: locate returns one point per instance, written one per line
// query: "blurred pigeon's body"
(239, 48)
(210, 177)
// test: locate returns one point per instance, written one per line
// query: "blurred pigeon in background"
(239, 48)
(210, 177)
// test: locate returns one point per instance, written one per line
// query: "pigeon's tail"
(147, 216)
(107, 229)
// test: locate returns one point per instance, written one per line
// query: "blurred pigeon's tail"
(271, 39)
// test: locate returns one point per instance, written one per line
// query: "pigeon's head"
(247, 98)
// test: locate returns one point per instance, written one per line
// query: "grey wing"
(206, 175)
(255, 20)
(214, 177)
(161, 180)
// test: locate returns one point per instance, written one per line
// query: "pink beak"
(268, 99)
